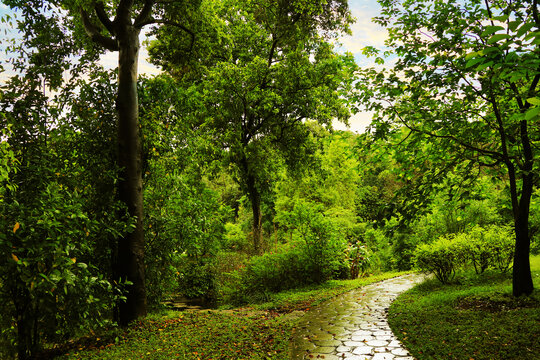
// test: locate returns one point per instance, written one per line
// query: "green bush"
(381, 258)
(315, 254)
(441, 258)
(502, 243)
(51, 290)
(197, 278)
(273, 272)
(483, 248)
(476, 249)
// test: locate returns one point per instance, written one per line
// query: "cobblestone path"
(353, 325)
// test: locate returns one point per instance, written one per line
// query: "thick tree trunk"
(522, 283)
(130, 257)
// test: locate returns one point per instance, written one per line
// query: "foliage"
(441, 257)
(60, 217)
(184, 224)
(184, 216)
(453, 59)
(50, 286)
(490, 247)
(262, 46)
(314, 255)
(8, 163)
(474, 318)
(358, 259)
(382, 257)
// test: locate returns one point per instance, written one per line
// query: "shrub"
(490, 247)
(382, 258)
(359, 259)
(502, 244)
(477, 250)
(441, 257)
(274, 272)
(51, 290)
(197, 278)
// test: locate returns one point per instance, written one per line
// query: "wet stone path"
(353, 325)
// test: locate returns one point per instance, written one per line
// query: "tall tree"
(466, 78)
(112, 26)
(276, 69)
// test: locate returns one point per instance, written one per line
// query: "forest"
(223, 179)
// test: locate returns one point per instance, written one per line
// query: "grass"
(475, 317)
(304, 298)
(259, 331)
(194, 335)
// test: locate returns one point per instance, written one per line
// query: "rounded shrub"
(442, 258)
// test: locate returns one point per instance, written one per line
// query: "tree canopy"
(466, 78)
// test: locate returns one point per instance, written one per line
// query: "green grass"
(194, 335)
(304, 298)
(475, 317)
(258, 331)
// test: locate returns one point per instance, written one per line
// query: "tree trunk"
(130, 257)
(522, 283)
(255, 198)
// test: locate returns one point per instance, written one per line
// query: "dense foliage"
(247, 189)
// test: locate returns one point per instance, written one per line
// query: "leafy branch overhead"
(466, 78)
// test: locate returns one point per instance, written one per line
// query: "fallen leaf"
(16, 227)
(14, 257)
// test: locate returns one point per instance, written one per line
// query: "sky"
(364, 33)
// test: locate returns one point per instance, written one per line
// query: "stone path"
(353, 325)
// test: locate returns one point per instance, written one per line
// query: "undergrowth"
(474, 317)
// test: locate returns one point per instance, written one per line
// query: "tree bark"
(255, 199)
(130, 257)
(522, 283)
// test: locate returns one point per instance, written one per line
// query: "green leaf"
(532, 113)
(498, 37)
(472, 55)
(491, 30)
(534, 101)
(513, 25)
(484, 66)
(501, 18)
(473, 62)
(524, 28)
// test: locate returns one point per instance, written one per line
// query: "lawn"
(473, 318)
(258, 331)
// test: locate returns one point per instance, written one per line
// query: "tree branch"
(171, 23)
(94, 32)
(535, 13)
(485, 152)
(145, 13)
(99, 7)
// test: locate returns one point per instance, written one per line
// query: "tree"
(57, 30)
(60, 216)
(276, 69)
(466, 83)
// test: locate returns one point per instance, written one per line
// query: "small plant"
(359, 259)
(441, 257)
